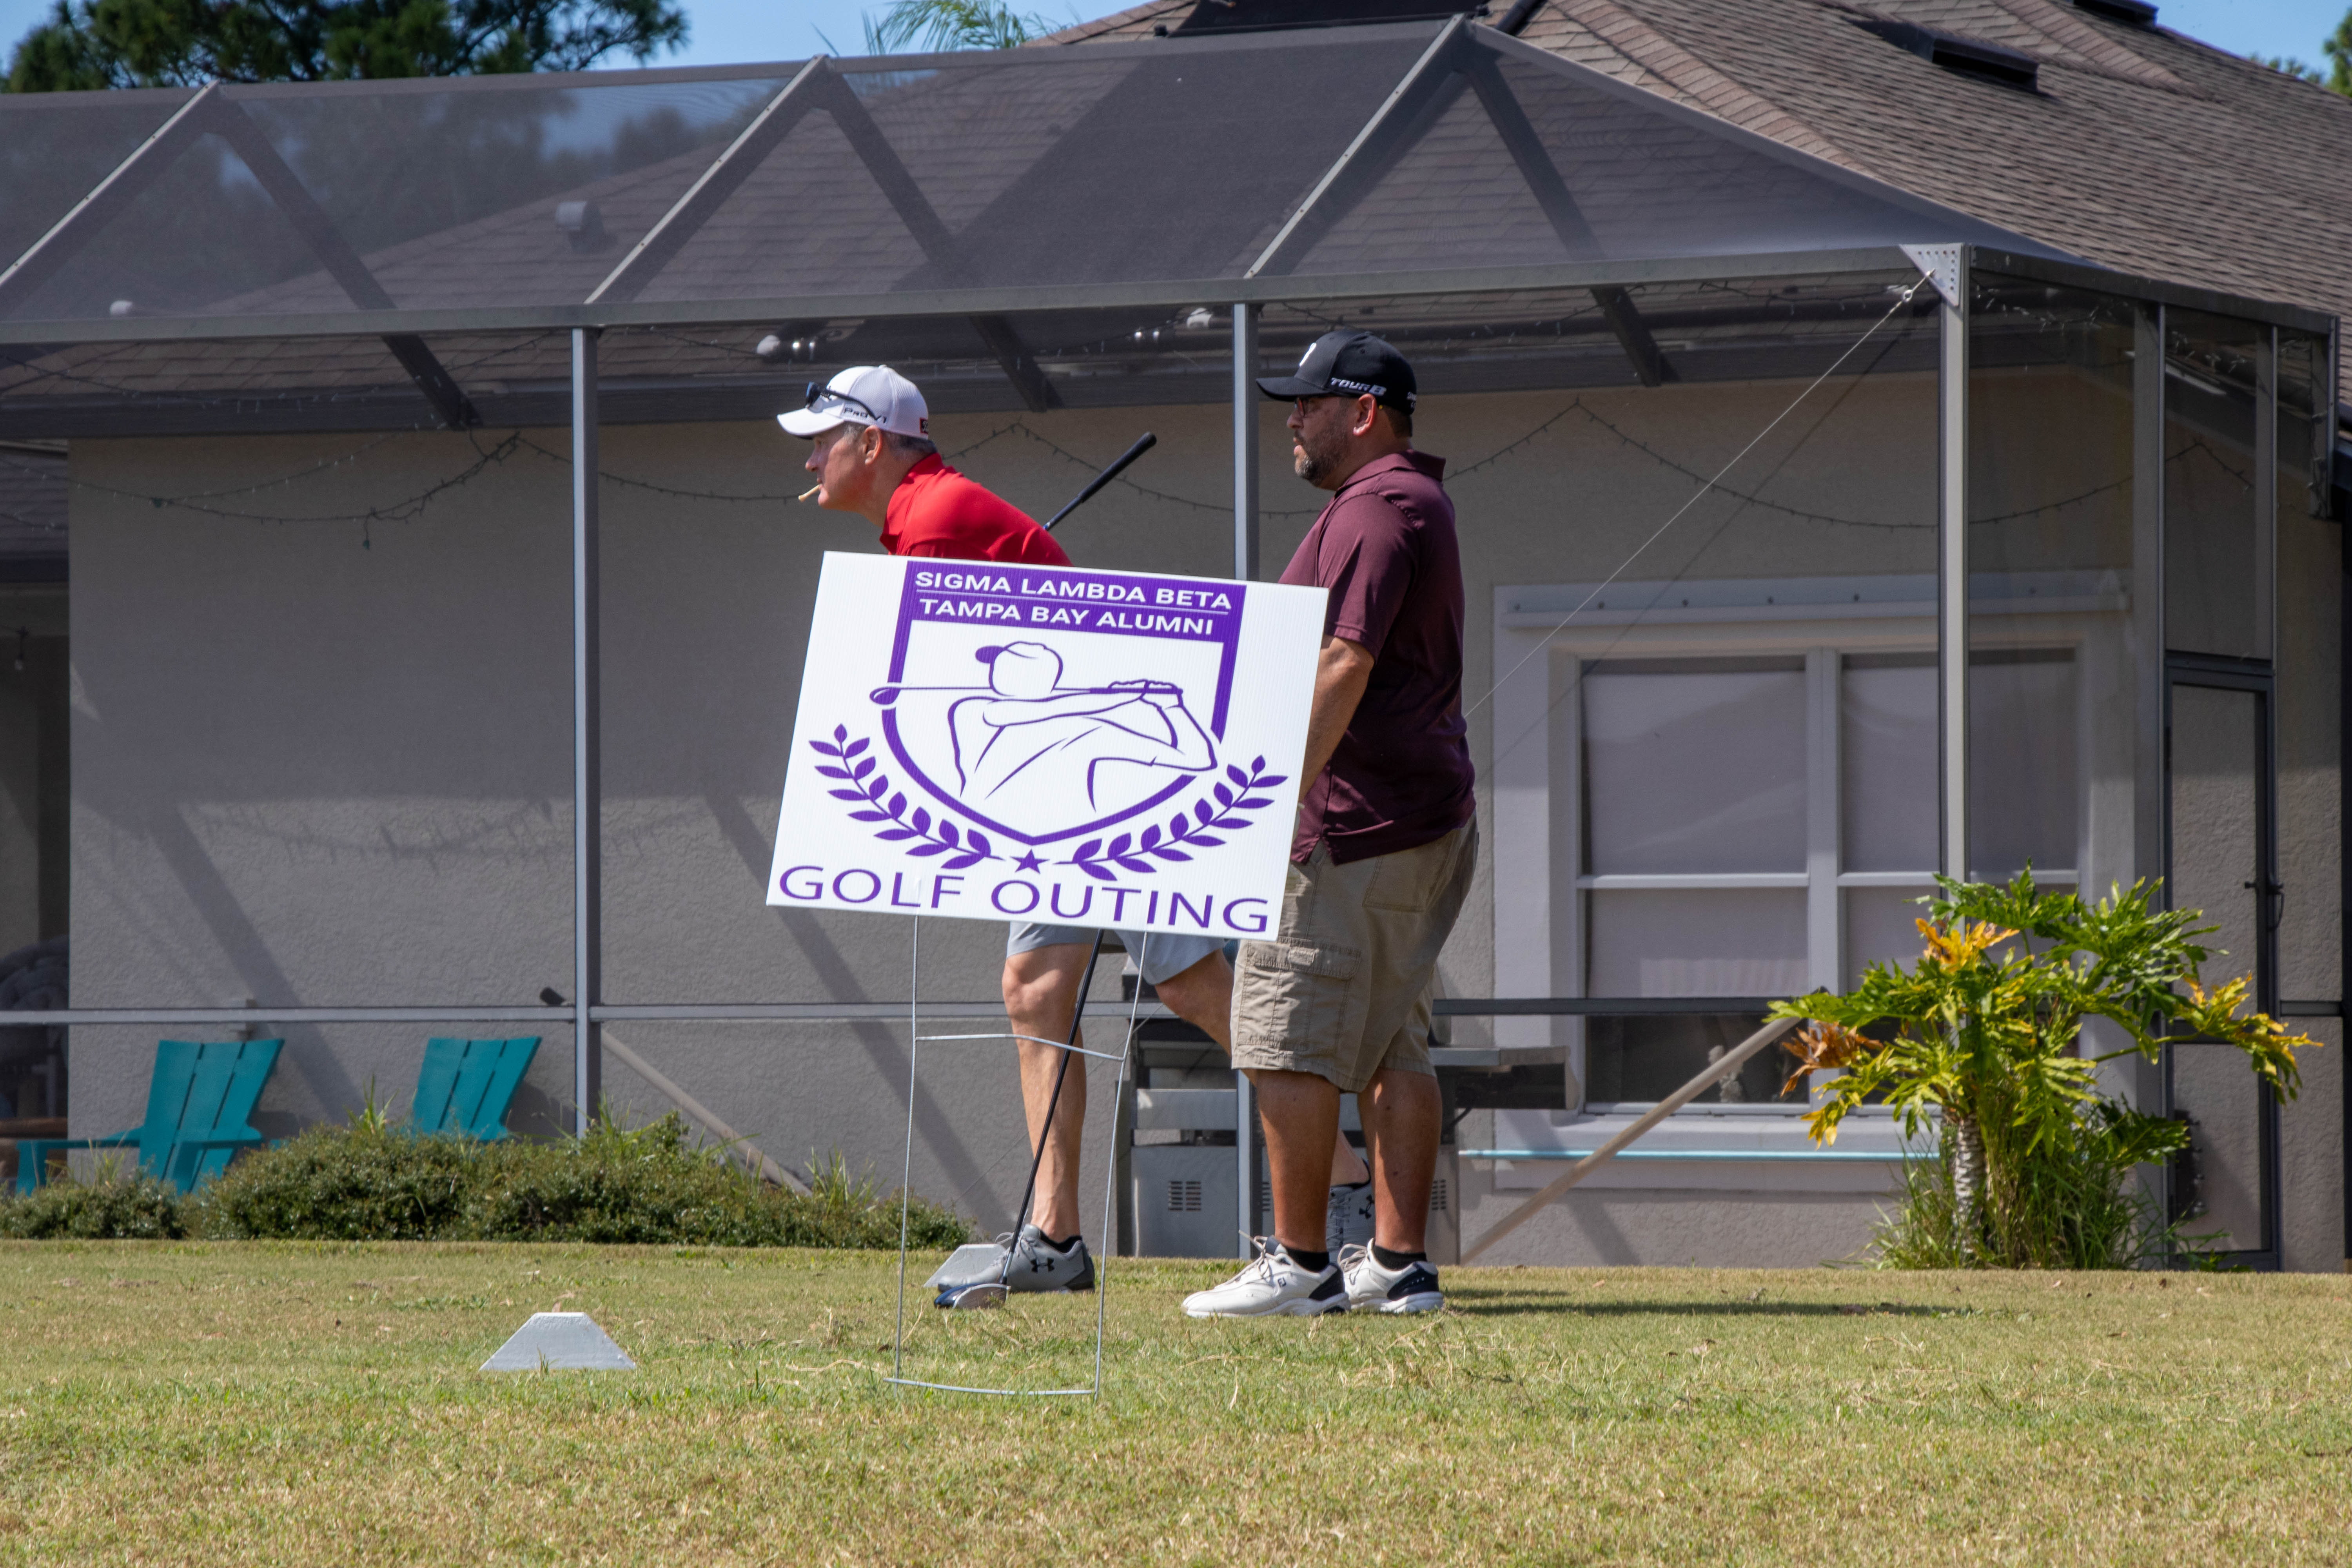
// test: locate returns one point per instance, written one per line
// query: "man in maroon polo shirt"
(1385, 846)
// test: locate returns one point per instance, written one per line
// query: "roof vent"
(582, 224)
(1970, 56)
(2138, 12)
(1265, 15)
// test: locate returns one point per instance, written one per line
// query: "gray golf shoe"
(1023, 1263)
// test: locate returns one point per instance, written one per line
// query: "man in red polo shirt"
(871, 450)
(870, 447)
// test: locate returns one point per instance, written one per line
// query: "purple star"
(1028, 862)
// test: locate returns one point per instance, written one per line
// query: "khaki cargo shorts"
(1343, 990)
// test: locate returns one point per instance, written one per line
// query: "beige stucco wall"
(326, 762)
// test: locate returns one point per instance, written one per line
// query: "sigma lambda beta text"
(1076, 588)
(1078, 616)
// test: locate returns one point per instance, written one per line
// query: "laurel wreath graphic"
(1136, 852)
(880, 803)
(861, 783)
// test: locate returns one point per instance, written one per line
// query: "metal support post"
(1952, 568)
(1245, 402)
(2146, 633)
(1246, 567)
(2150, 1089)
(1246, 1159)
(587, 783)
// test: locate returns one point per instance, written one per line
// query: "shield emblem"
(1043, 703)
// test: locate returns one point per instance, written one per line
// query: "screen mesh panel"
(1359, 150)
(1518, 159)
(56, 147)
(275, 200)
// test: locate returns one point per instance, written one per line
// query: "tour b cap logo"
(1048, 743)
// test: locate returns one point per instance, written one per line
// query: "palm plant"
(943, 25)
(1987, 1030)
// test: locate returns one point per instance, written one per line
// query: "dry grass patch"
(229, 1403)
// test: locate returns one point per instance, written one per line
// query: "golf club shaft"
(1054, 1101)
(1144, 442)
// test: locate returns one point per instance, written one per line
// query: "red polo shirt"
(936, 511)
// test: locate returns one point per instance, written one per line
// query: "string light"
(487, 458)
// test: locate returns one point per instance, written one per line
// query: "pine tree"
(179, 43)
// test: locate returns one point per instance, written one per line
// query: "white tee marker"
(560, 1342)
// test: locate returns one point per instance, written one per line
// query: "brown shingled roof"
(2139, 148)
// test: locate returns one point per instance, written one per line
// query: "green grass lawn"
(224, 1402)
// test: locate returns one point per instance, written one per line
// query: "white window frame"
(1542, 640)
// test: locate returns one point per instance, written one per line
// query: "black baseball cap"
(1346, 365)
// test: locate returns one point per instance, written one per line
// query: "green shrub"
(648, 1186)
(370, 1181)
(2079, 1207)
(108, 1207)
(361, 1183)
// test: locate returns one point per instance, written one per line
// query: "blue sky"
(728, 31)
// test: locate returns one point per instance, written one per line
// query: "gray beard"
(1312, 465)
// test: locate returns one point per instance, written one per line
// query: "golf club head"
(971, 1298)
(974, 1263)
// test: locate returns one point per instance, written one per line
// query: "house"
(2005, 328)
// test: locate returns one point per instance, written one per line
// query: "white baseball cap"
(871, 395)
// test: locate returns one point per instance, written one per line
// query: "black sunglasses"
(817, 392)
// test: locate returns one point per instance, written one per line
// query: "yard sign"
(1039, 743)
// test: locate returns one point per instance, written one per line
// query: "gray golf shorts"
(1161, 955)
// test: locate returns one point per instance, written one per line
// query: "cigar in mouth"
(810, 490)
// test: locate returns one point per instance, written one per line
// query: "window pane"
(2310, 711)
(2023, 773)
(2217, 747)
(1887, 733)
(1881, 926)
(1646, 1060)
(2055, 580)
(2219, 1193)
(2211, 587)
(1696, 765)
(1746, 941)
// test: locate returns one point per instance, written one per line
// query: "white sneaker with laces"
(1272, 1286)
(1374, 1289)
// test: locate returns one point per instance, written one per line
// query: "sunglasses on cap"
(823, 399)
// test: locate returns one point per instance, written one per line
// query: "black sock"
(1062, 1244)
(1351, 1186)
(1387, 1259)
(1313, 1262)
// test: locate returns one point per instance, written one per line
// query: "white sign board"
(1083, 748)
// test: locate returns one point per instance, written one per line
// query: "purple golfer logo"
(978, 741)
(1044, 705)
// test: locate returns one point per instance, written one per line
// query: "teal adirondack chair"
(465, 1085)
(199, 1106)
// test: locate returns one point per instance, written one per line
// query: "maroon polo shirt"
(1384, 547)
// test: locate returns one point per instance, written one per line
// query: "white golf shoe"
(1374, 1289)
(1272, 1286)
